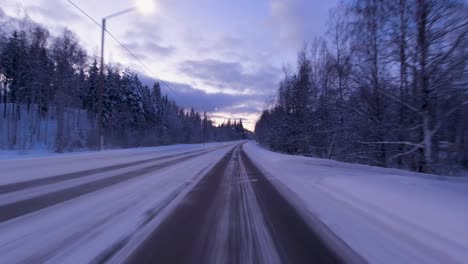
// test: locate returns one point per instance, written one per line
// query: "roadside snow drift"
(385, 215)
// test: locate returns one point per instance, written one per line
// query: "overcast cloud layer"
(223, 57)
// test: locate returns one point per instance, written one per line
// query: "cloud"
(148, 48)
(146, 40)
(48, 11)
(161, 50)
(245, 107)
(248, 119)
(145, 29)
(232, 75)
(187, 96)
(224, 43)
(299, 21)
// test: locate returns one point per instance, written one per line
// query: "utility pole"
(102, 79)
(101, 92)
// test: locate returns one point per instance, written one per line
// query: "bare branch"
(410, 107)
(408, 143)
(404, 153)
(446, 116)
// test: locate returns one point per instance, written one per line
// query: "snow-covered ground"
(42, 152)
(79, 208)
(16, 168)
(35, 133)
(385, 215)
(90, 227)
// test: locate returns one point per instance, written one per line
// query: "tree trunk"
(427, 144)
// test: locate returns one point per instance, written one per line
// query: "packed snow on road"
(106, 206)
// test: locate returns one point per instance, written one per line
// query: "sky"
(220, 56)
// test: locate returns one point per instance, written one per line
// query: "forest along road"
(233, 215)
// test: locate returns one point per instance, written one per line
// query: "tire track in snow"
(295, 241)
(249, 240)
(23, 207)
(174, 239)
(94, 227)
(234, 215)
(18, 186)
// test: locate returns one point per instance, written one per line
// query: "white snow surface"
(384, 215)
(40, 165)
(86, 228)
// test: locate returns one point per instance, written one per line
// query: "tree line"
(52, 80)
(386, 85)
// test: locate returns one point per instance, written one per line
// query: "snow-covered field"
(91, 226)
(385, 215)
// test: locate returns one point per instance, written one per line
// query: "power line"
(122, 45)
(140, 61)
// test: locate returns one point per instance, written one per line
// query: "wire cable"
(122, 45)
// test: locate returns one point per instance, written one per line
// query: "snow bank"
(29, 130)
(385, 215)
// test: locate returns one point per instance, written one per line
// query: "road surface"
(234, 215)
(203, 204)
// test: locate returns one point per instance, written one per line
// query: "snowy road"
(25, 197)
(234, 215)
(78, 208)
(181, 204)
(225, 203)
